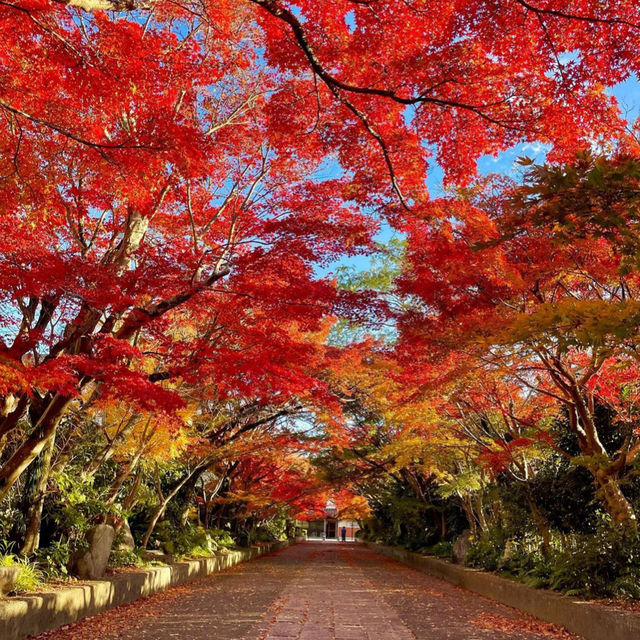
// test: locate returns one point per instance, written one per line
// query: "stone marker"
(127, 543)
(8, 577)
(509, 551)
(461, 546)
(92, 564)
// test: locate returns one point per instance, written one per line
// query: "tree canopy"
(182, 185)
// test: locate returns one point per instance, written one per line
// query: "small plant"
(53, 560)
(190, 540)
(486, 551)
(29, 577)
(124, 558)
(222, 538)
(442, 549)
(606, 564)
(80, 506)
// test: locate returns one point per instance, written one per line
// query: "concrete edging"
(590, 620)
(34, 614)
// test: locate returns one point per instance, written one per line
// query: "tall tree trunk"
(34, 512)
(122, 477)
(162, 507)
(132, 496)
(605, 471)
(26, 453)
(465, 502)
(480, 508)
(541, 524)
(109, 449)
(617, 504)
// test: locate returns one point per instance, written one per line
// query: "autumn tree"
(191, 170)
(158, 193)
(177, 180)
(501, 289)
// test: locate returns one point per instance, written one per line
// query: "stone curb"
(590, 620)
(34, 614)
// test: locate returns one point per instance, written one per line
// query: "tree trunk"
(205, 507)
(34, 513)
(465, 502)
(122, 477)
(583, 425)
(162, 507)
(617, 504)
(482, 521)
(27, 452)
(108, 451)
(132, 496)
(541, 524)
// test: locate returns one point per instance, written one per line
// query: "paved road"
(314, 591)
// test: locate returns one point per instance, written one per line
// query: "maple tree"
(171, 174)
(504, 291)
(177, 180)
(136, 231)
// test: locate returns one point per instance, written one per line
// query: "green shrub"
(53, 559)
(80, 505)
(442, 549)
(124, 558)
(487, 550)
(29, 578)
(606, 564)
(524, 560)
(190, 540)
(222, 538)
(273, 529)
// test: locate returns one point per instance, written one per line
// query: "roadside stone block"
(8, 578)
(30, 615)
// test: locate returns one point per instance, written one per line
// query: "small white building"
(330, 527)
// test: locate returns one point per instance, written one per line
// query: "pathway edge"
(32, 615)
(590, 620)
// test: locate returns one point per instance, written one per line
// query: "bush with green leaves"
(524, 560)
(78, 506)
(606, 564)
(125, 558)
(190, 540)
(29, 578)
(442, 549)
(486, 551)
(54, 558)
(400, 518)
(273, 529)
(222, 538)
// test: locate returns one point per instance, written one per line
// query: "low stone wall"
(31, 615)
(590, 620)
